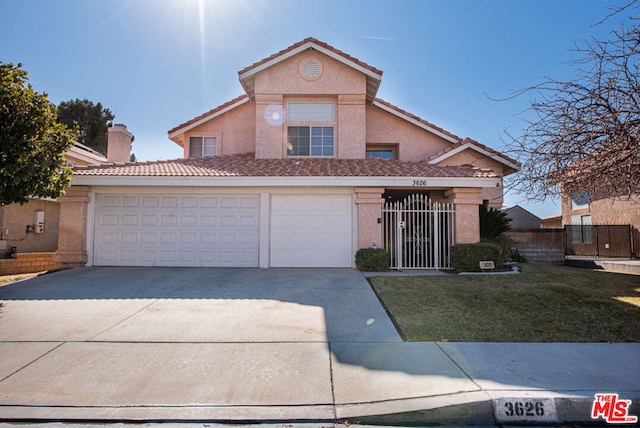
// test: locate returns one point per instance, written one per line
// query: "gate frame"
(435, 219)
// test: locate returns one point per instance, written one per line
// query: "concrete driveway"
(206, 344)
(250, 345)
(195, 305)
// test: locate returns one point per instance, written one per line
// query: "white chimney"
(119, 144)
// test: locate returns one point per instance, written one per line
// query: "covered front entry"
(176, 230)
(418, 233)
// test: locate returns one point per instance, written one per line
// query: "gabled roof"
(518, 208)
(411, 118)
(469, 144)
(247, 74)
(79, 152)
(246, 165)
(199, 120)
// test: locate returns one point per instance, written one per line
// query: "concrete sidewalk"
(271, 346)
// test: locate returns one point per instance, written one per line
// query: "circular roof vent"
(310, 69)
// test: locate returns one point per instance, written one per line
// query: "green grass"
(542, 304)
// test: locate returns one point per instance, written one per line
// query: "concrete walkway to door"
(250, 345)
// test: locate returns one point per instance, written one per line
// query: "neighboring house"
(18, 222)
(551, 222)
(583, 210)
(293, 173)
(521, 218)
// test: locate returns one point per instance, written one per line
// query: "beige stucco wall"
(236, 131)
(119, 146)
(415, 144)
(270, 134)
(72, 238)
(15, 217)
(283, 83)
(477, 160)
(352, 128)
(335, 78)
(369, 203)
(467, 218)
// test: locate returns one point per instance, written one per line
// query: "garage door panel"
(249, 203)
(311, 231)
(168, 220)
(208, 220)
(129, 220)
(169, 202)
(176, 230)
(207, 239)
(188, 202)
(229, 202)
(130, 201)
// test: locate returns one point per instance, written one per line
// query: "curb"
(526, 409)
(513, 408)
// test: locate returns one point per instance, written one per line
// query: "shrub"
(509, 248)
(493, 223)
(372, 260)
(467, 257)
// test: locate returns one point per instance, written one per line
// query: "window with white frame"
(200, 147)
(310, 112)
(310, 131)
(580, 200)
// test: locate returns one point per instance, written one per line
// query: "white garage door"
(311, 231)
(176, 230)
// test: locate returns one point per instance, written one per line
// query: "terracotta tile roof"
(246, 165)
(314, 41)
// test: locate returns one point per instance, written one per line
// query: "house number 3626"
(526, 408)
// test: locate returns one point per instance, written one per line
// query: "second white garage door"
(311, 231)
(176, 230)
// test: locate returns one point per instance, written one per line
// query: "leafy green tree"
(91, 120)
(32, 141)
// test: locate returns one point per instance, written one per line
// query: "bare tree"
(585, 133)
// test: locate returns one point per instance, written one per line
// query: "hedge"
(467, 257)
(372, 260)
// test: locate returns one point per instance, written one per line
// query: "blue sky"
(158, 63)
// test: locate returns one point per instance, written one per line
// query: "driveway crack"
(31, 362)
(156, 300)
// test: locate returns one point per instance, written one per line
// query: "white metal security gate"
(418, 233)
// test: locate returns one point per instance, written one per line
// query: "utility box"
(38, 221)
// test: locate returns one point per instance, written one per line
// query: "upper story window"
(382, 154)
(310, 141)
(381, 151)
(580, 200)
(310, 112)
(311, 130)
(200, 147)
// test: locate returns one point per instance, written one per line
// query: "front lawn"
(542, 304)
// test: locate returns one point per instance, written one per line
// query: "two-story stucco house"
(292, 173)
